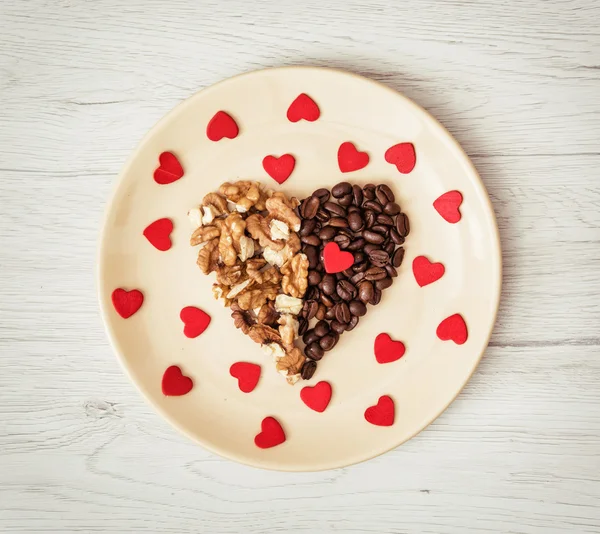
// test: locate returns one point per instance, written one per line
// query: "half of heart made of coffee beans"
(298, 274)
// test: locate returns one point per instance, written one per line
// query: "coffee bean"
(313, 256)
(341, 189)
(335, 209)
(322, 216)
(391, 270)
(370, 247)
(380, 229)
(327, 284)
(379, 257)
(312, 293)
(308, 226)
(398, 257)
(348, 272)
(357, 244)
(369, 191)
(360, 267)
(327, 233)
(330, 314)
(391, 208)
(357, 195)
(373, 206)
(357, 308)
(339, 276)
(359, 257)
(309, 208)
(369, 217)
(376, 297)
(321, 328)
(322, 194)
(389, 247)
(355, 221)
(302, 326)
(310, 336)
(326, 300)
(373, 237)
(365, 291)
(320, 315)
(358, 277)
(384, 219)
(314, 278)
(352, 324)
(337, 327)
(308, 369)
(342, 240)
(375, 273)
(311, 311)
(384, 194)
(402, 224)
(346, 290)
(342, 313)
(328, 341)
(311, 240)
(314, 351)
(396, 237)
(346, 200)
(384, 283)
(353, 208)
(338, 222)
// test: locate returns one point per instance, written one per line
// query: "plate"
(421, 384)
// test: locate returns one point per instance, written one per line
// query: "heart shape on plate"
(403, 156)
(195, 321)
(175, 383)
(350, 158)
(316, 397)
(169, 169)
(387, 350)
(453, 328)
(279, 168)
(448, 206)
(336, 260)
(126, 303)
(271, 434)
(247, 374)
(383, 413)
(427, 272)
(158, 234)
(303, 107)
(222, 125)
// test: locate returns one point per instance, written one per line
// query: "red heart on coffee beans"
(159, 234)
(403, 156)
(247, 375)
(169, 169)
(271, 434)
(316, 397)
(195, 321)
(175, 383)
(453, 328)
(350, 159)
(279, 168)
(448, 204)
(336, 260)
(303, 107)
(222, 125)
(383, 413)
(426, 272)
(126, 303)
(387, 350)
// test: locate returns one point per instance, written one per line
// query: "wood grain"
(516, 82)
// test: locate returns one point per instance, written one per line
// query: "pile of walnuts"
(248, 237)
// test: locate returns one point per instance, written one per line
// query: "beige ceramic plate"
(432, 372)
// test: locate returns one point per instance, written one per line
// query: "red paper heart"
(169, 169)
(426, 272)
(279, 168)
(303, 107)
(387, 350)
(316, 397)
(454, 328)
(448, 206)
(159, 234)
(195, 321)
(222, 125)
(175, 383)
(271, 434)
(336, 260)
(126, 303)
(382, 414)
(403, 156)
(247, 375)
(350, 159)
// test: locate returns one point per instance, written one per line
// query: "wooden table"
(517, 83)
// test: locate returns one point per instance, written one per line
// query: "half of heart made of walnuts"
(289, 269)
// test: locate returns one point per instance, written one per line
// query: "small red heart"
(336, 260)
(403, 156)
(303, 107)
(316, 397)
(350, 159)
(126, 303)
(247, 375)
(175, 383)
(382, 414)
(169, 169)
(271, 434)
(195, 321)
(454, 328)
(426, 272)
(159, 234)
(279, 168)
(448, 206)
(222, 125)
(387, 350)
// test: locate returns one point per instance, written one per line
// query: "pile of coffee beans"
(365, 221)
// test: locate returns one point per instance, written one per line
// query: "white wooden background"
(517, 82)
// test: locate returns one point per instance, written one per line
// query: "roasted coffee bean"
(308, 369)
(358, 277)
(320, 315)
(402, 224)
(357, 195)
(391, 270)
(360, 267)
(380, 229)
(342, 240)
(357, 244)
(396, 237)
(379, 258)
(348, 272)
(308, 227)
(391, 208)
(335, 209)
(341, 189)
(313, 256)
(314, 278)
(346, 290)
(312, 293)
(353, 209)
(398, 257)
(369, 217)
(357, 308)
(309, 208)
(355, 221)
(373, 206)
(359, 257)
(389, 247)
(322, 194)
(338, 222)
(327, 342)
(322, 216)
(384, 283)
(342, 312)
(337, 327)
(326, 300)
(365, 291)
(302, 326)
(339, 276)
(310, 336)
(373, 237)
(311, 240)
(327, 233)
(384, 219)
(312, 308)
(330, 314)
(369, 191)
(375, 273)
(384, 194)
(327, 284)
(376, 297)
(346, 200)
(314, 351)
(352, 324)
(369, 247)
(321, 328)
